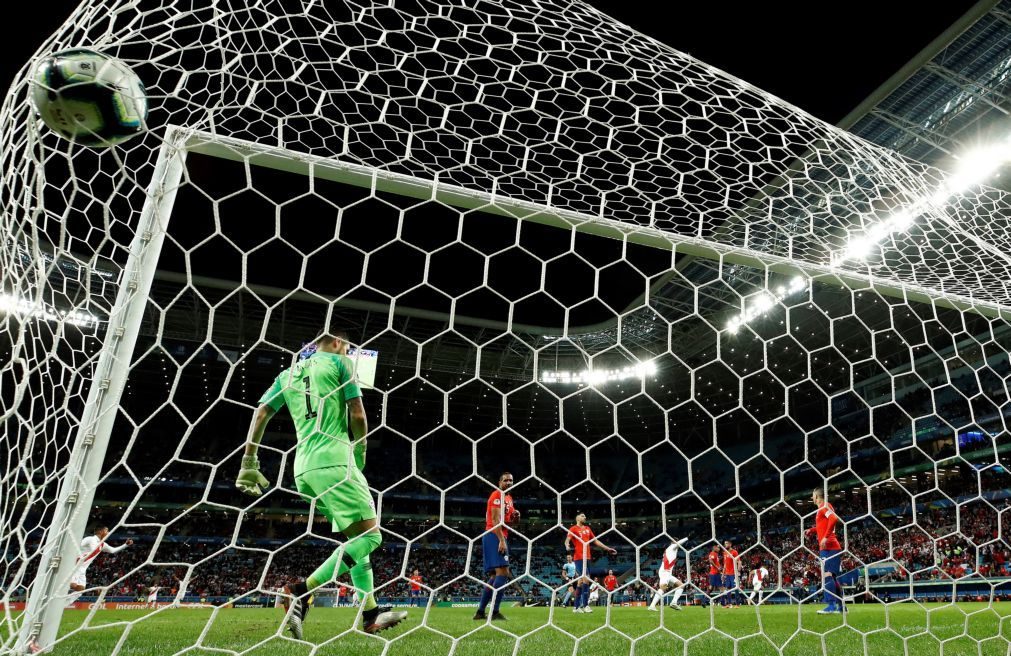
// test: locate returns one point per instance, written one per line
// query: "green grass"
(946, 630)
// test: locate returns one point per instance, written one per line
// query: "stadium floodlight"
(976, 167)
(594, 377)
(24, 308)
(766, 300)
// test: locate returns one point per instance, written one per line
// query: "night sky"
(823, 57)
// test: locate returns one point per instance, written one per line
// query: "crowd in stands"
(946, 542)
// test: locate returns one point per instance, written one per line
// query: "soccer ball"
(89, 98)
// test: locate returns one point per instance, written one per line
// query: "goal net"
(654, 294)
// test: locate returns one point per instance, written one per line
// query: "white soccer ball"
(89, 98)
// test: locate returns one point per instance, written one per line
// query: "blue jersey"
(569, 569)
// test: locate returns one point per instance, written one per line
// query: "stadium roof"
(951, 96)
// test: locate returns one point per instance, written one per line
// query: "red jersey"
(504, 502)
(729, 562)
(824, 525)
(714, 563)
(416, 582)
(581, 537)
(610, 582)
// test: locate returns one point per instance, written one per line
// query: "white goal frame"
(45, 603)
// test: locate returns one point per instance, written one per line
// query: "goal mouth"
(658, 297)
(501, 326)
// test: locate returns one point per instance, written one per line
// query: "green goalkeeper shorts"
(341, 494)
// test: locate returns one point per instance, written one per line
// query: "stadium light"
(766, 300)
(974, 168)
(599, 376)
(24, 308)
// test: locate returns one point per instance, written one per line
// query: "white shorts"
(79, 579)
(667, 577)
(757, 587)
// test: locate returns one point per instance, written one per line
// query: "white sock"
(656, 599)
(677, 595)
(72, 598)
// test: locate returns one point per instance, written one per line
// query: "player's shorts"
(757, 586)
(667, 576)
(79, 578)
(729, 580)
(582, 568)
(415, 593)
(489, 550)
(341, 494)
(833, 560)
(715, 581)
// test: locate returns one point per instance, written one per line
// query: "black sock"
(299, 589)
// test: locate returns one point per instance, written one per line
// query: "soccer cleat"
(498, 617)
(652, 608)
(381, 618)
(828, 610)
(296, 610)
(479, 615)
(587, 609)
(676, 606)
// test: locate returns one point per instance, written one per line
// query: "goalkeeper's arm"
(359, 425)
(250, 480)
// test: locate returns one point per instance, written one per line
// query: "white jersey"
(758, 577)
(152, 594)
(670, 558)
(91, 546)
(670, 555)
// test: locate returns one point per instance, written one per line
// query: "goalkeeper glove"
(250, 480)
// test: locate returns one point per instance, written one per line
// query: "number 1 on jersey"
(309, 412)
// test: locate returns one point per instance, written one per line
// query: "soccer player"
(610, 583)
(324, 400)
(730, 574)
(579, 539)
(594, 598)
(715, 567)
(152, 596)
(667, 578)
(495, 547)
(758, 576)
(415, 587)
(569, 577)
(829, 550)
(91, 546)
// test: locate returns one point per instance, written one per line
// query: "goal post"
(48, 592)
(83, 473)
(376, 179)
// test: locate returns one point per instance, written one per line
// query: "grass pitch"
(942, 629)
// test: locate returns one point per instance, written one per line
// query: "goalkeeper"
(323, 399)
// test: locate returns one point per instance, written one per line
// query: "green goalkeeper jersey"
(316, 391)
